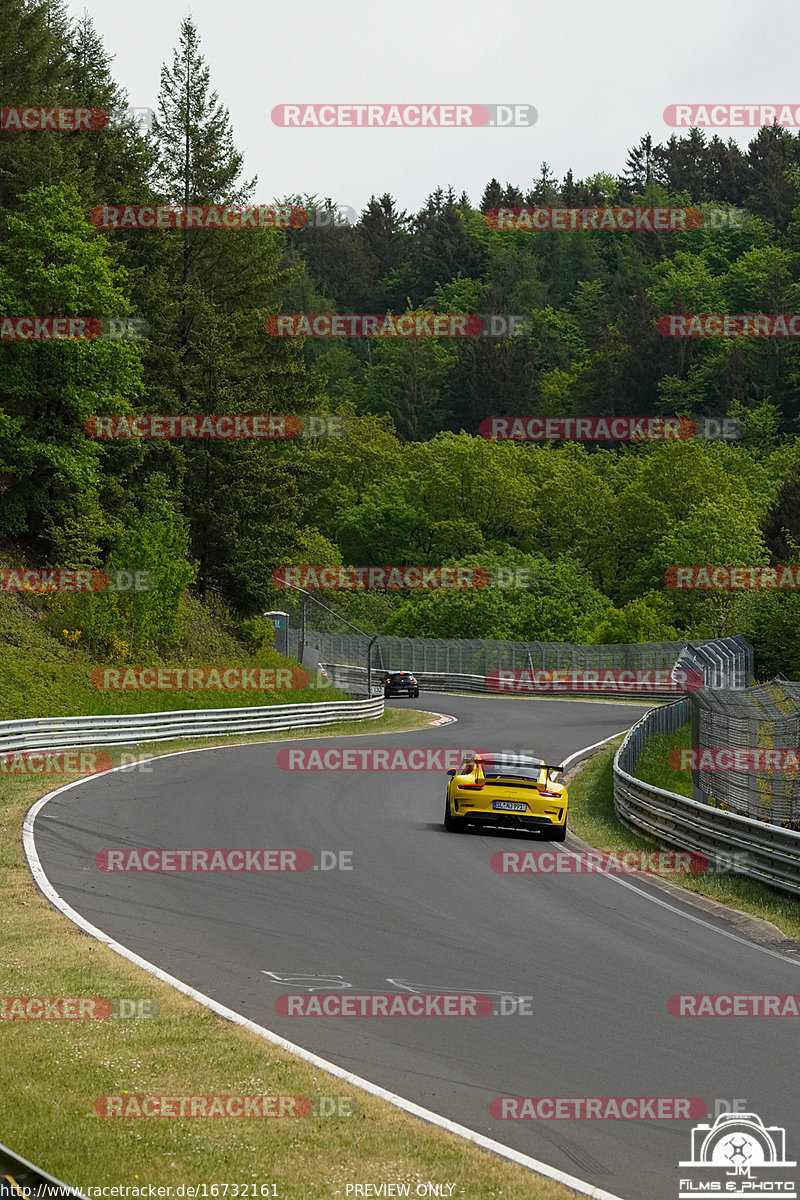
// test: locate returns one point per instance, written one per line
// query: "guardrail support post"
(369, 666)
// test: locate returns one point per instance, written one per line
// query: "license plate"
(510, 806)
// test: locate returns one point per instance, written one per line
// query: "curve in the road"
(422, 910)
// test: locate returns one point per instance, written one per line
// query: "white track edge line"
(416, 1110)
(221, 1010)
(594, 746)
(647, 894)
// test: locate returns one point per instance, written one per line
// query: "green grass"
(43, 677)
(653, 764)
(54, 1071)
(592, 818)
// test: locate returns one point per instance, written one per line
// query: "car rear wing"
(489, 759)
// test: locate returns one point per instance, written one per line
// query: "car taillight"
(471, 787)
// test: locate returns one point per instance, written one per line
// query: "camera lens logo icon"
(738, 1155)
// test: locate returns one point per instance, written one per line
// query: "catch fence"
(761, 718)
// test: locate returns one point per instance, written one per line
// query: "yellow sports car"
(507, 789)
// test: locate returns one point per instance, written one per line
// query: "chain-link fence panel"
(724, 662)
(762, 723)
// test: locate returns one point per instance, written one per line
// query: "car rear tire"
(452, 824)
(559, 834)
(415, 695)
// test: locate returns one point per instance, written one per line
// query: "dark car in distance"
(400, 683)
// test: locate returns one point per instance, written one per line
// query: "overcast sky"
(599, 75)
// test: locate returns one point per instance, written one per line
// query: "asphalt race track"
(422, 909)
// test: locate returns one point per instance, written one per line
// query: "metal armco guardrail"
(354, 679)
(53, 733)
(20, 1178)
(754, 848)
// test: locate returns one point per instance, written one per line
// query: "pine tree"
(34, 71)
(113, 163)
(512, 197)
(544, 191)
(207, 293)
(385, 231)
(570, 191)
(492, 196)
(772, 157)
(640, 166)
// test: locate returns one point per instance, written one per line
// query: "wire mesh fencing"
(746, 751)
(724, 661)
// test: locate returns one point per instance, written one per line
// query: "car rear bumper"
(508, 820)
(534, 818)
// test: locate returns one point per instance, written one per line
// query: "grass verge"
(53, 1071)
(43, 677)
(653, 765)
(592, 818)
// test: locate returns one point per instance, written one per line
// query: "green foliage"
(385, 528)
(256, 633)
(53, 264)
(558, 604)
(645, 619)
(43, 677)
(409, 481)
(134, 624)
(773, 628)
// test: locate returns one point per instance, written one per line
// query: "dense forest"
(408, 479)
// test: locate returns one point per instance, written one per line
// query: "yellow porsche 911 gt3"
(507, 789)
